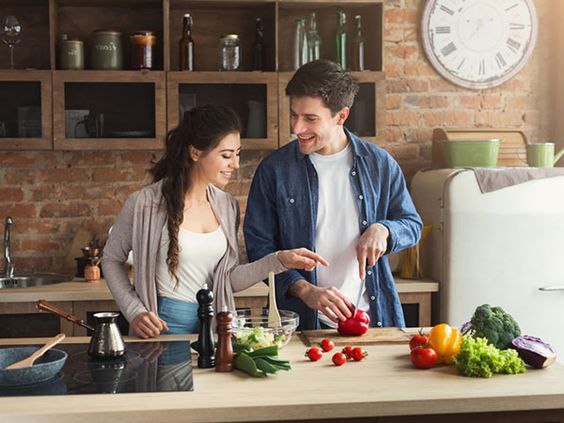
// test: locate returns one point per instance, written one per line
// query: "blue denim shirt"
(282, 214)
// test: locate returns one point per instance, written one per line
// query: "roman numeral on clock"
(482, 68)
(501, 63)
(448, 49)
(513, 45)
(447, 10)
(516, 26)
(442, 30)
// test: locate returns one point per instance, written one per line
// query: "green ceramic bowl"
(471, 153)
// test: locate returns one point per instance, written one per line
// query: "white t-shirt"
(198, 256)
(337, 228)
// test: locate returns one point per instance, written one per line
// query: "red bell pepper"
(355, 325)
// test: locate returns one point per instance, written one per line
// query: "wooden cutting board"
(373, 336)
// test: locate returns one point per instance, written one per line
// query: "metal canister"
(71, 55)
(142, 44)
(106, 52)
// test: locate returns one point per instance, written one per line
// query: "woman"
(182, 231)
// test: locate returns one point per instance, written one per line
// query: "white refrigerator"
(505, 248)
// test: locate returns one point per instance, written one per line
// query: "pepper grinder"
(224, 352)
(206, 358)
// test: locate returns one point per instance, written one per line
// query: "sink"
(32, 280)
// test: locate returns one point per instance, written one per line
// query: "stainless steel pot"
(106, 341)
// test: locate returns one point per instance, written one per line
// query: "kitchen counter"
(383, 385)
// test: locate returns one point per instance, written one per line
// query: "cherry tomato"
(339, 359)
(423, 358)
(417, 341)
(327, 345)
(358, 354)
(314, 353)
(347, 351)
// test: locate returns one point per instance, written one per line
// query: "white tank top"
(198, 256)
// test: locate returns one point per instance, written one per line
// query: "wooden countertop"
(80, 290)
(385, 384)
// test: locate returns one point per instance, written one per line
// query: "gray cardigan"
(138, 229)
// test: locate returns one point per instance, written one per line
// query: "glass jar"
(106, 50)
(142, 49)
(229, 52)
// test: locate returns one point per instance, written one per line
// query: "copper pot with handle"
(106, 342)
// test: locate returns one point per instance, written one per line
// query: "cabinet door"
(109, 110)
(253, 95)
(25, 110)
(23, 320)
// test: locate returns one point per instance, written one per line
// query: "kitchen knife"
(359, 296)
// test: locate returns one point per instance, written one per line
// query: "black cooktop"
(145, 367)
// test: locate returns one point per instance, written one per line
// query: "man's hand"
(330, 301)
(371, 246)
(300, 258)
(148, 325)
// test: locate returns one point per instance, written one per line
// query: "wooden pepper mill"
(224, 351)
(206, 358)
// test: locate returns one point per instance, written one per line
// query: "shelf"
(132, 105)
(371, 99)
(242, 91)
(21, 93)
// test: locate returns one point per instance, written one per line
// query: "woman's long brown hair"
(203, 128)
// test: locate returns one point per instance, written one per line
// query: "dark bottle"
(259, 48)
(341, 40)
(224, 351)
(357, 54)
(186, 44)
(206, 345)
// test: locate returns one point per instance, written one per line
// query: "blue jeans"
(181, 317)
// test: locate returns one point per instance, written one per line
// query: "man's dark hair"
(325, 79)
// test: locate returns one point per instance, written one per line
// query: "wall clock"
(479, 43)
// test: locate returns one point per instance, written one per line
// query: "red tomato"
(347, 351)
(423, 358)
(358, 354)
(314, 353)
(327, 345)
(339, 359)
(417, 341)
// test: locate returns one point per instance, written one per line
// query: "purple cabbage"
(534, 351)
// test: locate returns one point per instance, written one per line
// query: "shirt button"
(353, 173)
(364, 223)
(369, 272)
(378, 323)
(360, 197)
(292, 201)
(372, 298)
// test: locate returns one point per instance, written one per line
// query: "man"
(337, 195)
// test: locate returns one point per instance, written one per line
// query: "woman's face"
(219, 165)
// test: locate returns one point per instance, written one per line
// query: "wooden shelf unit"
(45, 21)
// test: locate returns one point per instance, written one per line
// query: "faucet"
(9, 265)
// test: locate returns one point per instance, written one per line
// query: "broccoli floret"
(494, 324)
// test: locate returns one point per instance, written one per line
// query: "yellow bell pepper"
(445, 340)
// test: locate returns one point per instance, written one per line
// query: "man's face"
(316, 129)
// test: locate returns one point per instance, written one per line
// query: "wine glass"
(11, 30)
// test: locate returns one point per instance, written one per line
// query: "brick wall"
(53, 195)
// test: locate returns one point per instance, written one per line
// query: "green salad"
(256, 338)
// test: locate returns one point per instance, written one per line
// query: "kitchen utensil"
(11, 31)
(273, 314)
(106, 342)
(45, 367)
(372, 337)
(471, 153)
(360, 290)
(246, 323)
(45, 306)
(28, 362)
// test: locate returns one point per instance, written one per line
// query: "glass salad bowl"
(252, 330)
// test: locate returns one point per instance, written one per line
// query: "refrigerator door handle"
(552, 288)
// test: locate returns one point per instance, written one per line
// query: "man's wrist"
(299, 288)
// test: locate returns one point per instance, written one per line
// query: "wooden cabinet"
(136, 108)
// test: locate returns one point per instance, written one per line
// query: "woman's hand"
(300, 258)
(148, 325)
